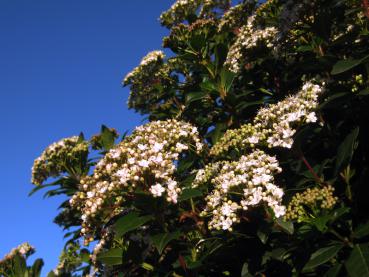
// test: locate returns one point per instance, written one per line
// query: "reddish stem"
(311, 170)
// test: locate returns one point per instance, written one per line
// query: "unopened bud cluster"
(275, 125)
(56, 157)
(249, 37)
(239, 185)
(143, 160)
(311, 201)
(142, 78)
(24, 249)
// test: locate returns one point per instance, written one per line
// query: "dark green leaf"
(357, 264)
(130, 222)
(161, 240)
(111, 257)
(363, 92)
(195, 96)
(346, 150)
(322, 256)
(333, 271)
(107, 137)
(287, 226)
(189, 193)
(344, 65)
(36, 267)
(362, 231)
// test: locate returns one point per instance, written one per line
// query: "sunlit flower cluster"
(249, 37)
(310, 202)
(143, 160)
(57, 157)
(24, 249)
(233, 17)
(239, 185)
(181, 9)
(274, 125)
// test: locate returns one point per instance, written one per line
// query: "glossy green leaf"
(111, 257)
(161, 240)
(346, 150)
(357, 265)
(322, 256)
(195, 96)
(345, 65)
(107, 137)
(130, 222)
(189, 193)
(286, 226)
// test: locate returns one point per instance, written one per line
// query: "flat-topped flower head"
(143, 160)
(240, 185)
(274, 125)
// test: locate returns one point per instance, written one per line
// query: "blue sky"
(61, 64)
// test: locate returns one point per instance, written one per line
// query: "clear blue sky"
(61, 64)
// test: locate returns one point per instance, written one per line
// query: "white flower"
(144, 163)
(157, 190)
(158, 147)
(311, 117)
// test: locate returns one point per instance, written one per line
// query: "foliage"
(211, 201)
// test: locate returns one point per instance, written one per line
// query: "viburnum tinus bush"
(255, 158)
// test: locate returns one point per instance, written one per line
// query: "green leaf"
(51, 274)
(161, 240)
(333, 271)
(346, 150)
(189, 193)
(226, 81)
(287, 226)
(195, 96)
(344, 65)
(363, 92)
(357, 264)
(36, 267)
(322, 256)
(130, 222)
(111, 257)
(361, 231)
(107, 137)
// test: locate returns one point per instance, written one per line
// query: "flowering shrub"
(255, 158)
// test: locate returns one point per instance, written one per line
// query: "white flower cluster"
(240, 185)
(143, 160)
(181, 9)
(275, 125)
(151, 60)
(249, 37)
(55, 158)
(24, 249)
(178, 12)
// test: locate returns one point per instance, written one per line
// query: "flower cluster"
(249, 37)
(25, 249)
(239, 185)
(143, 160)
(181, 9)
(57, 157)
(311, 201)
(275, 125)
(236, 16)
